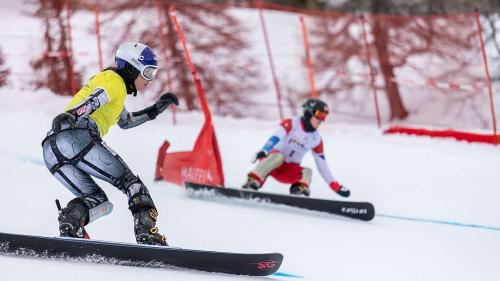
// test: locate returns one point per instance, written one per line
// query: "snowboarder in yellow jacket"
(74, 151)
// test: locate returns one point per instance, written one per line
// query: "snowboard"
(357, 210)
(139, 255)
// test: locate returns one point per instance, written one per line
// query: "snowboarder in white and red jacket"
(281, 155)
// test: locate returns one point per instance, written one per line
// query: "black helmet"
(316, 108)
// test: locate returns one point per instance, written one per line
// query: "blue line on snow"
(283, 274)
(31, 160)
(23, 158)
(38, 162)
(439, 222)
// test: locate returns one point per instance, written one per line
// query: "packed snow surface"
(436, 202)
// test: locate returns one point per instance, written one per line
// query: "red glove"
(340, 189)
(335, 186)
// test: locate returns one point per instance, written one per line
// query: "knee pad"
(136, 191)
(140, 201)
(129, 183)
(268, 164)
(276, 159)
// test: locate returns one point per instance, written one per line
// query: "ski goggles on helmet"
(149, 72)
(321, 115)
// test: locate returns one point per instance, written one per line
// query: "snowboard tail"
(140, 255)
(356, 210)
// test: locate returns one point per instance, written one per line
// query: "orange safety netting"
(263, 59)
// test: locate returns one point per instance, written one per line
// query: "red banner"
(202, 165)
(433, 133)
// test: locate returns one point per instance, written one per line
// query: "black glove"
(67, 117)
(259, 155)
(161, 104)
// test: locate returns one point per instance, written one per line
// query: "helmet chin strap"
(131, 89)
(134, 73)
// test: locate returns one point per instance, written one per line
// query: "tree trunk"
(380, 34)
(4, 70)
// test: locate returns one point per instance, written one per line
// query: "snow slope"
(434, 182)
(436, 200)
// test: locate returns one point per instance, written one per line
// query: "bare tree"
(217, 43)
(395, 43)
(492, 38)
(4, 71)
(381, 42)
(54, 68)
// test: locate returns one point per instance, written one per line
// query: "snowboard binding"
(300, 189)
(72, 219)
(252, 183)
(145, 217)
(145, 228)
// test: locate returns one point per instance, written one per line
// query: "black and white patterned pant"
(75, 155)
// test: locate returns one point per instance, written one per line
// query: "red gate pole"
(163, 38)
(271, 63)
(70, 49)
(308, 58)
(199, 88)
(372, 71)
(487, 74)
(98, 35)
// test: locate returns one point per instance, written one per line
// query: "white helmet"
(138, 55)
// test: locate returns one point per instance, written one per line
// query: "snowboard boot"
(73, 218)
(300, 189)
(252, 183)
(145, 228)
